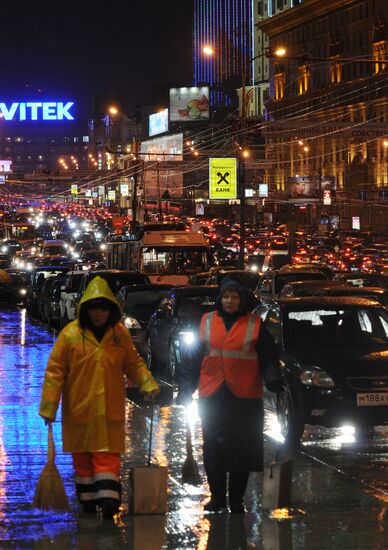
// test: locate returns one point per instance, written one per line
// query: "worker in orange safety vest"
(235, 354)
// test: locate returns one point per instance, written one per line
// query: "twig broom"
(50, 493)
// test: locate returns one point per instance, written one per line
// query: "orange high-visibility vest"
(230, 357)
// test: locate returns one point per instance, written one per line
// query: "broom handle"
(51, 446)
(151, 430)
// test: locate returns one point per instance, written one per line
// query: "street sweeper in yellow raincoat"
(86, 368)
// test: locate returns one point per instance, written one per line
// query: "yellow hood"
(99, 288)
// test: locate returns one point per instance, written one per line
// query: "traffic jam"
(325, 302)
(323, 298)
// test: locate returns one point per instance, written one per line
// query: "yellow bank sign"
(222, 178)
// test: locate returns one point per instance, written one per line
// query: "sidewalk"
(328, 512)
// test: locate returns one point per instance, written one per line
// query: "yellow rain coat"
(89, 375)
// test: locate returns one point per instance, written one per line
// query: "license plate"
(372, 399)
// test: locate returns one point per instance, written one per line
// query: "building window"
(379, 50)
(303, 79)
(335, 72)
(279, 85)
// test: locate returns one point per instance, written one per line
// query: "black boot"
(215, 504)
(89, 507)
(110, 507)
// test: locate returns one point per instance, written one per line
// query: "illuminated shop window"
(303, 79)
(379, 50)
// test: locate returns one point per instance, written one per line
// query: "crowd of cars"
(323, 298)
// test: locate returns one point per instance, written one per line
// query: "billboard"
(5, 166)
(305, 189)
(158, 123)
(222, 178)
(163, 148)
(189, 104)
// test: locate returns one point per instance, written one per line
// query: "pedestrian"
(235, 354)
(86, 368)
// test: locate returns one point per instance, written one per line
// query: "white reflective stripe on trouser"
(232, 354)
(106, 493)
(106, 475)
(84, 480)
(86, 496)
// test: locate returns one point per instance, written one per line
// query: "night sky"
(75, 49)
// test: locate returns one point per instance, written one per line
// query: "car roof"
(114, 272)
(195, 289)
(148, 287)
(323, 302)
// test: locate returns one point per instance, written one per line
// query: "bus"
(167, 257)
(21, 231)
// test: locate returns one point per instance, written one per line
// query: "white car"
(67, 303)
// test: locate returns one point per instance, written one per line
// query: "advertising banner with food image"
(189, 104)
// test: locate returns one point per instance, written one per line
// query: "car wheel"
(151, 359)
(173, 364)
(291, 420)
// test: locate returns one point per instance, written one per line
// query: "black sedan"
(173, 327)
(138, 302)
(334, 353)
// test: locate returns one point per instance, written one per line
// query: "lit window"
(279, 85)
(75, 139)
(85, 139)
(379, 50)
(303, 79)
(335, 72)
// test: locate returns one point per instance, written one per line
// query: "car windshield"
(247, 279)
(50, 250)
(282, 280)
(336, 327)
(145, 299)
(193, 307)
(118, 281)
(167, 261)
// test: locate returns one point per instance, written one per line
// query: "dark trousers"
(228, 446)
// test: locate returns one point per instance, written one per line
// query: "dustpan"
(148, 484)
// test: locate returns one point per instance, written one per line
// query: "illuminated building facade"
(226, 26)
(327, 104)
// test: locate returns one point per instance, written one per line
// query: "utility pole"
(241, 171)
(159, 190)
(135, 174)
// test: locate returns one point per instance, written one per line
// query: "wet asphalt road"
(340, 485)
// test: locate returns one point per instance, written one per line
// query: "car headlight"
(103, 246)
(130, 323)
(188, 337)
(316, 377)
(254, 268)
(23, 291)
(4, 248)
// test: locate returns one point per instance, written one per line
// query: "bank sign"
(36, 110)
(222, 178)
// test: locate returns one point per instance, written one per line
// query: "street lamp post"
(209, 51)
